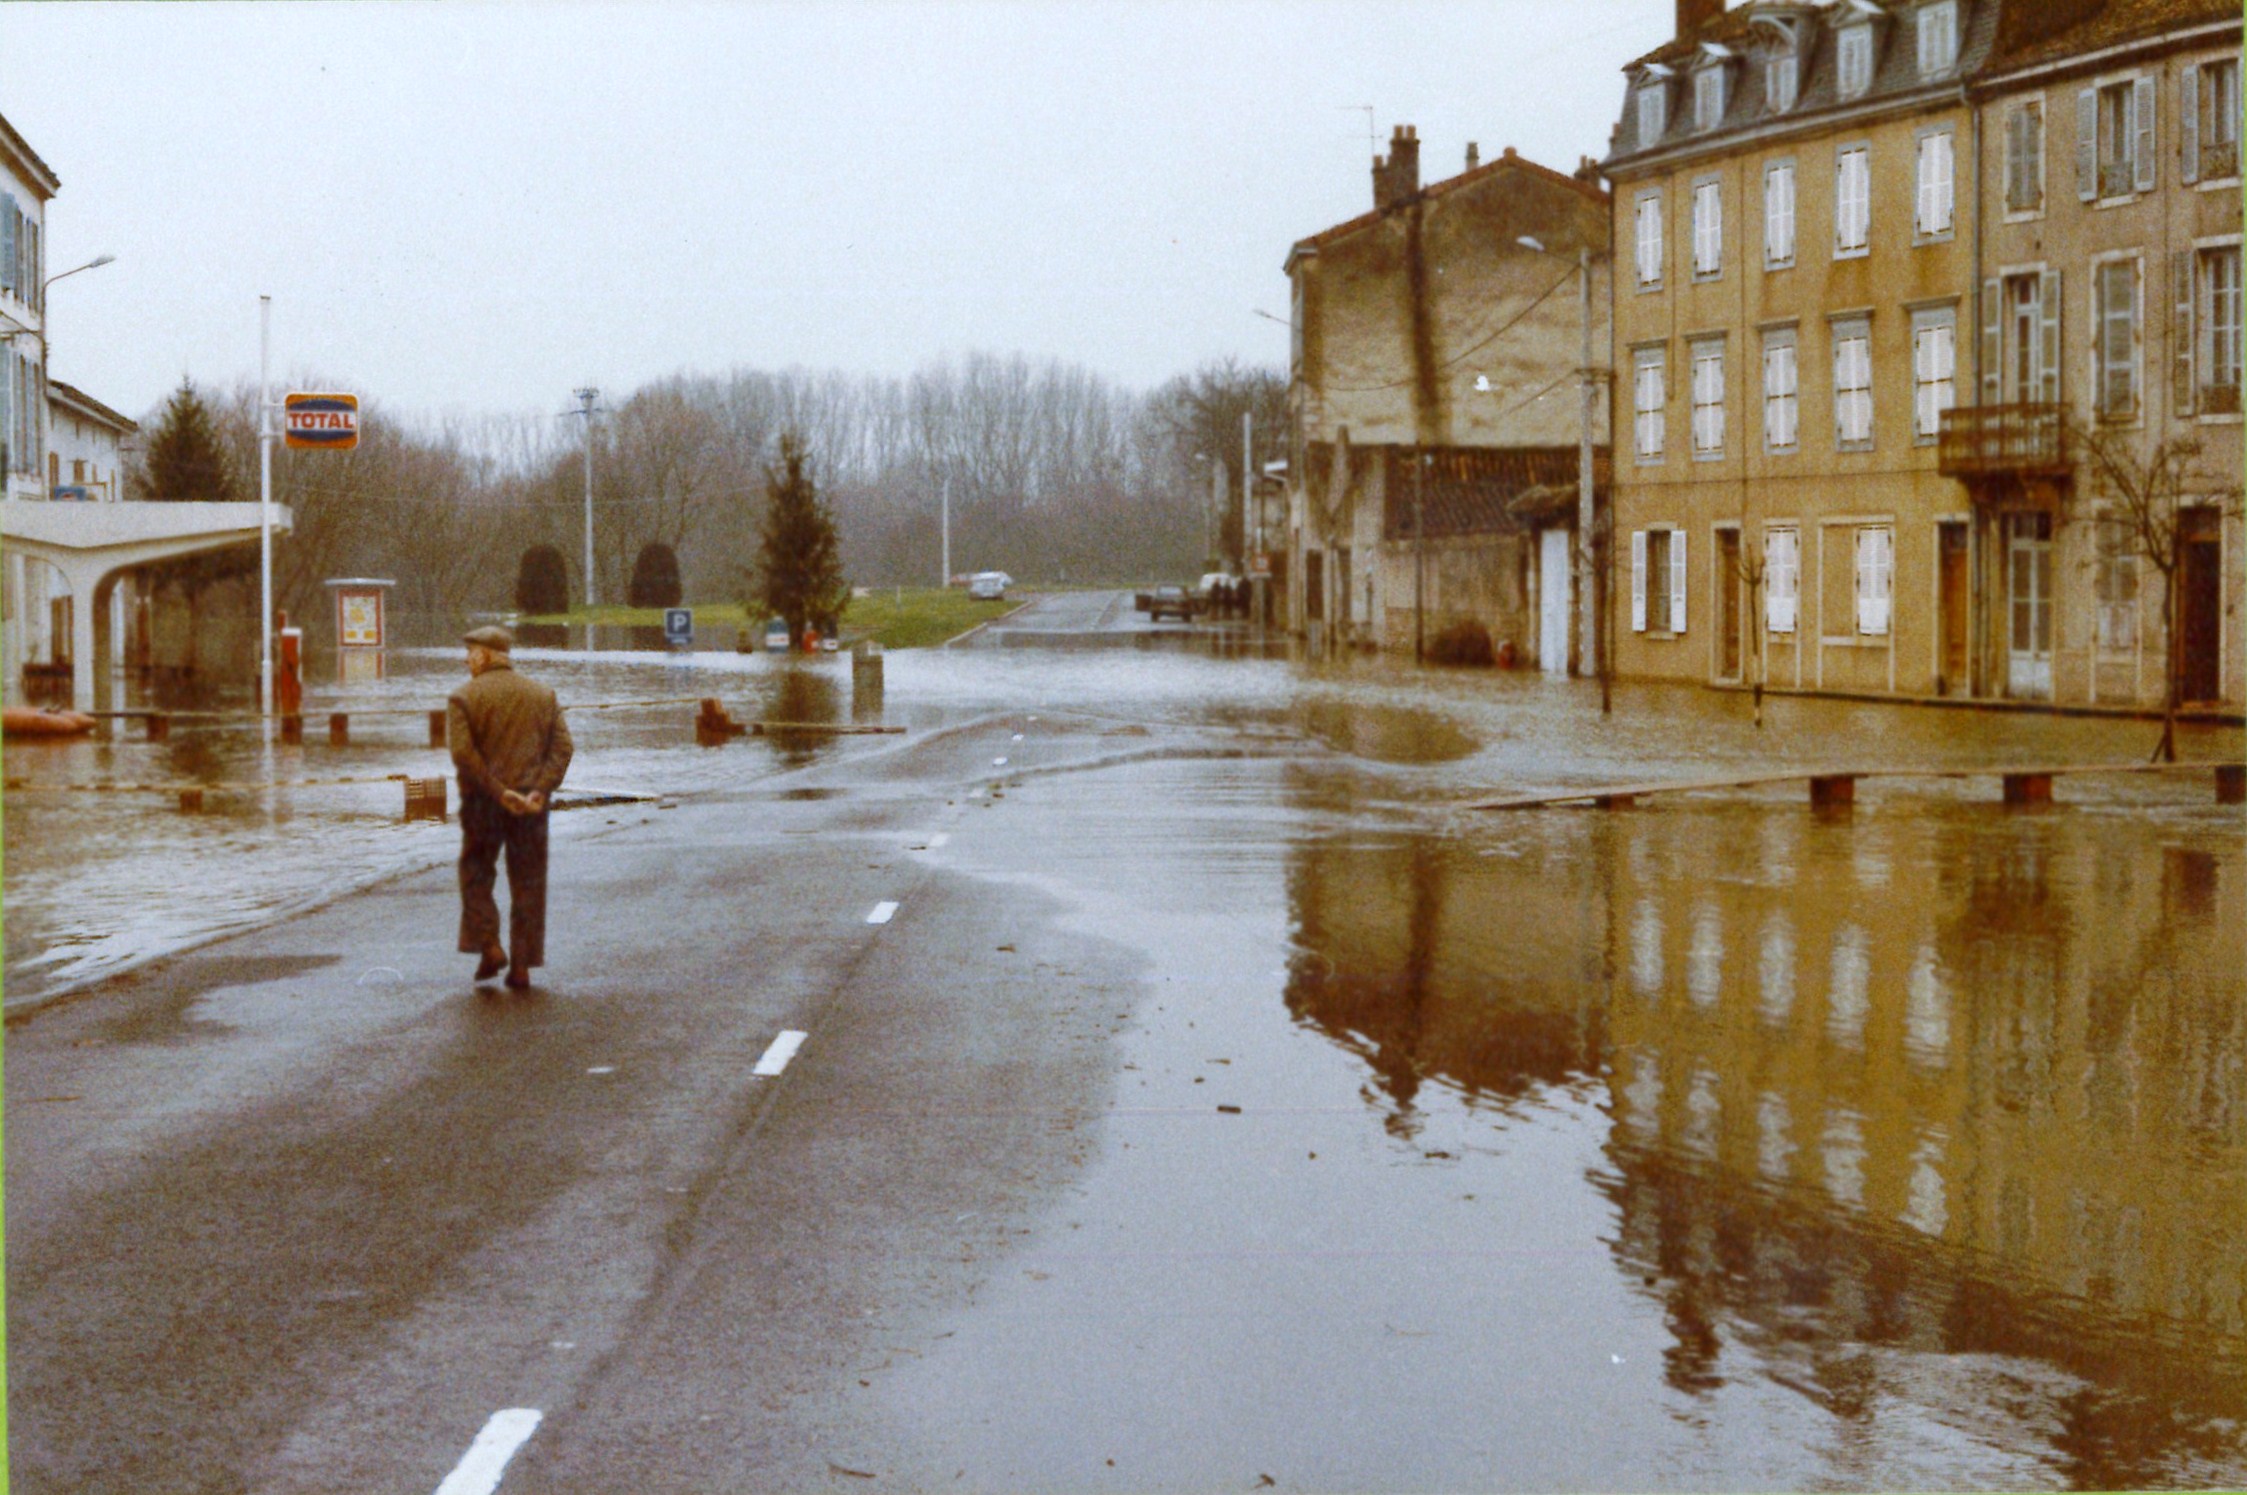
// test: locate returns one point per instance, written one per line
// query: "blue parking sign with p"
(678, 625)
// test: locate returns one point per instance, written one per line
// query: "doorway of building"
(2200, 605)
(1953, 591)
(2028, 597)
(1553, 601)
(1730, 644)
(1314, 587)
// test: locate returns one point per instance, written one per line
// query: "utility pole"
(945, 581)
(264, 507)
(585, 399)
(1248, 518)
(1587, 604)
(1419, 555)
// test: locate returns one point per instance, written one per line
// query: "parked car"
(776, 636)
(1176, 602)
(989, 586)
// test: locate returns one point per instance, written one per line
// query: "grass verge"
(896, 618)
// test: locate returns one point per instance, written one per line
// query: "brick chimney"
(1474, 155)
(1397, 179)
(1692, 15)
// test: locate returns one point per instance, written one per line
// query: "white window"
(1650, 239)
(1658, 580)
(1780, 379)
(1876, 577)
(1708, 97)
(2024, 158)
(1782, 579)
(1708, 399)
(2218, 355)
(1855, 48)
(1852, 385)
(1935, 184)
(2117, 586)
(1934, 372)
(1653, 112)
(1651, 404)
(1938, 38)
(1778, 214)
(2114, 339)
(1782, 79)
(1708, 230)
(2211, 115)
(1852, 204)
(2115, 154)
(2024, 351)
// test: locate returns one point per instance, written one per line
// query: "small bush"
(1462, 643)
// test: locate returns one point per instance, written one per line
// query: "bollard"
(191, 801)
(866, 680)
(159, 726)
(425, 799)
(2231, 784)
(339, 729)
(437, 729)
(292, 729)
(2028, 789)
(1832, 791)
(714, 724)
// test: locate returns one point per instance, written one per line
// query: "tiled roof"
(1895, 70)
(1510, 161)
(2047, 32)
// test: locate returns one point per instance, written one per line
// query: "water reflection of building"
(1963, 1085)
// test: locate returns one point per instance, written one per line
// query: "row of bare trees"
(1052, 473)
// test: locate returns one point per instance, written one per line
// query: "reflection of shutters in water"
(2200, 604)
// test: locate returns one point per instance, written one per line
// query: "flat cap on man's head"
(490, 636)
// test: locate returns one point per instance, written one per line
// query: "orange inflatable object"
(44, 721)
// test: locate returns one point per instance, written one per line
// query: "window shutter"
(2189, 108)
(2087, 145)
(2049, 372)
(2181, 331)
(1677, 581)
(1638, 581)
(7, 242)
(2145, 169)
(1993, 342)
(1778, 611)
(2016, 152)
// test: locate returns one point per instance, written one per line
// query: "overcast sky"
(476, 207)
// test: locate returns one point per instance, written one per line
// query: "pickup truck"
(1176, 602)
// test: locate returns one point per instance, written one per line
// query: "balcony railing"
(2003, 441)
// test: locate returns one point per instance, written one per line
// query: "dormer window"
(1938, 38)
(1653, 111)
(1782, 79)
(1854, 49)
(1708, 97)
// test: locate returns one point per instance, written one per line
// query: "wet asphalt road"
(1191, 1119)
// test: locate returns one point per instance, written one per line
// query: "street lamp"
(1587, 612)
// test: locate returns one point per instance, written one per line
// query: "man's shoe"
(519, 977)
(489, 966)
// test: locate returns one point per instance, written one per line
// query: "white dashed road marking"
(882, 913)
(941, 838)
(479, 1471)
(783, 1049)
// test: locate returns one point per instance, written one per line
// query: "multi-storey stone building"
(1825, 207)
(1434, 392)
(2109, 268)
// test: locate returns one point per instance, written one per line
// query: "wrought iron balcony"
(2004, 441)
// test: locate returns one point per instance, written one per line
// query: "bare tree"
(2142, 494)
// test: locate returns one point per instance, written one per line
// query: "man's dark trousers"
(486, 828)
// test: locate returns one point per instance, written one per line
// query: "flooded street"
(1221, 1102)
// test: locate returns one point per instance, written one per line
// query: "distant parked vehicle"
(1174, 602)
(776, 636)
(989, 586)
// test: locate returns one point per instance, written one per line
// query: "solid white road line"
(783, 1049)
(478, 1473)
(882, 913)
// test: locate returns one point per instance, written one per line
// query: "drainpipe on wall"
(1977, 621)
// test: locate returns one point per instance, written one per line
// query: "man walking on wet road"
(512, 747)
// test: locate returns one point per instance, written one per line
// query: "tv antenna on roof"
(1372, 141)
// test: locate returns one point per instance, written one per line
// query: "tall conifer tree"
(799, 567)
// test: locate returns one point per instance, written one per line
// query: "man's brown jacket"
(506, 732)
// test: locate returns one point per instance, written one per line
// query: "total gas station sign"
(330, 421)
